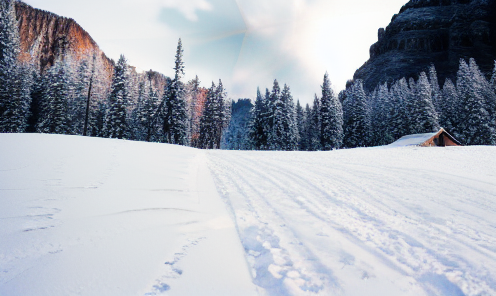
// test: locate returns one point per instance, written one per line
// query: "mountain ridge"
(438, 32)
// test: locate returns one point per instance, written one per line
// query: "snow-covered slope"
(402, 221)
(87, 216)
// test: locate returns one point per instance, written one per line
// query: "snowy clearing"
(376, 221)
(89, 216)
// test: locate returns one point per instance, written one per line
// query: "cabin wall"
(434, 141)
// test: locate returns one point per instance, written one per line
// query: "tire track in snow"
(340, 204)
(403, 248)
(272, 265)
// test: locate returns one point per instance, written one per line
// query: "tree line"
(356, 118)
(78, 96)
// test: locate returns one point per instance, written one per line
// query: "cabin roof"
(419, 139)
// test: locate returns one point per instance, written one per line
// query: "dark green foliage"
(331, 116)
(356, 119)
(175, 121)
(116, 121)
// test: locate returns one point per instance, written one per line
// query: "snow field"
(376, 221)
(88, 216)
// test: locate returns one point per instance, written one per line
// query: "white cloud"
(188, 7)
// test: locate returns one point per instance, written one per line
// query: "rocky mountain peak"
(438, 32)
(46, 36)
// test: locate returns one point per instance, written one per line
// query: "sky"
(246, 43)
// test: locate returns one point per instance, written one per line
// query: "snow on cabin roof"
(412, 140)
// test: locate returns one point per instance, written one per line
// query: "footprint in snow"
(173, 271)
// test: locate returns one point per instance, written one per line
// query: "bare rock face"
(432, 31)
(46, 36)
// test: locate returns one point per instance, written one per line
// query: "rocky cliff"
(46, 36)
(432, 31)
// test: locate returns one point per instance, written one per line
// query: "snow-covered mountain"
(90, 216)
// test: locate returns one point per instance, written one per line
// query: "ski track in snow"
(419, 221)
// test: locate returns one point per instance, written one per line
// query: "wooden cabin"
(438, 139)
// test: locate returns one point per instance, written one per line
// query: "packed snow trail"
(400, 221)
(89, 216)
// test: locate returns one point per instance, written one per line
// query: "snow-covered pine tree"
(489, 96)
(397, 109)
(258, 126)
(136, 129)
(307, 128)
(15, 76)
(144, 113)
(300, 124)
(196, 103)
(423, 115)
(331, 113)
(435, 89)
(116, 122)
(77, 104)
(277, 135)
(449, 107)
(355, 117)
(379, 116)
(272, 102)
(292, 136)
(175, 121)
(474, 124)
(315, 143)
(222, 113)
(207, 121)
(54, 105)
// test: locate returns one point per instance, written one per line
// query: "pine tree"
(144, 114)
(258, 126)
(484, 88)
(116, 121)
(449, 106)
(435, 89)
(78, 103)
(356, 123)
(474, 125)
(54, 106)
(398, 121)
(306, 134)
(424, 118)
(207, 122)
(273, 102)
(300, 124)
(221, 114)
(175, 121)
(315, 143)
(291, 137)
(331, 113)
(15, 77)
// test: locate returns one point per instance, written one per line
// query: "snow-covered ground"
(86, 216)
(89, 216)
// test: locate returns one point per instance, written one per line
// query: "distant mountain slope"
(46, 36)
(432, 31)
